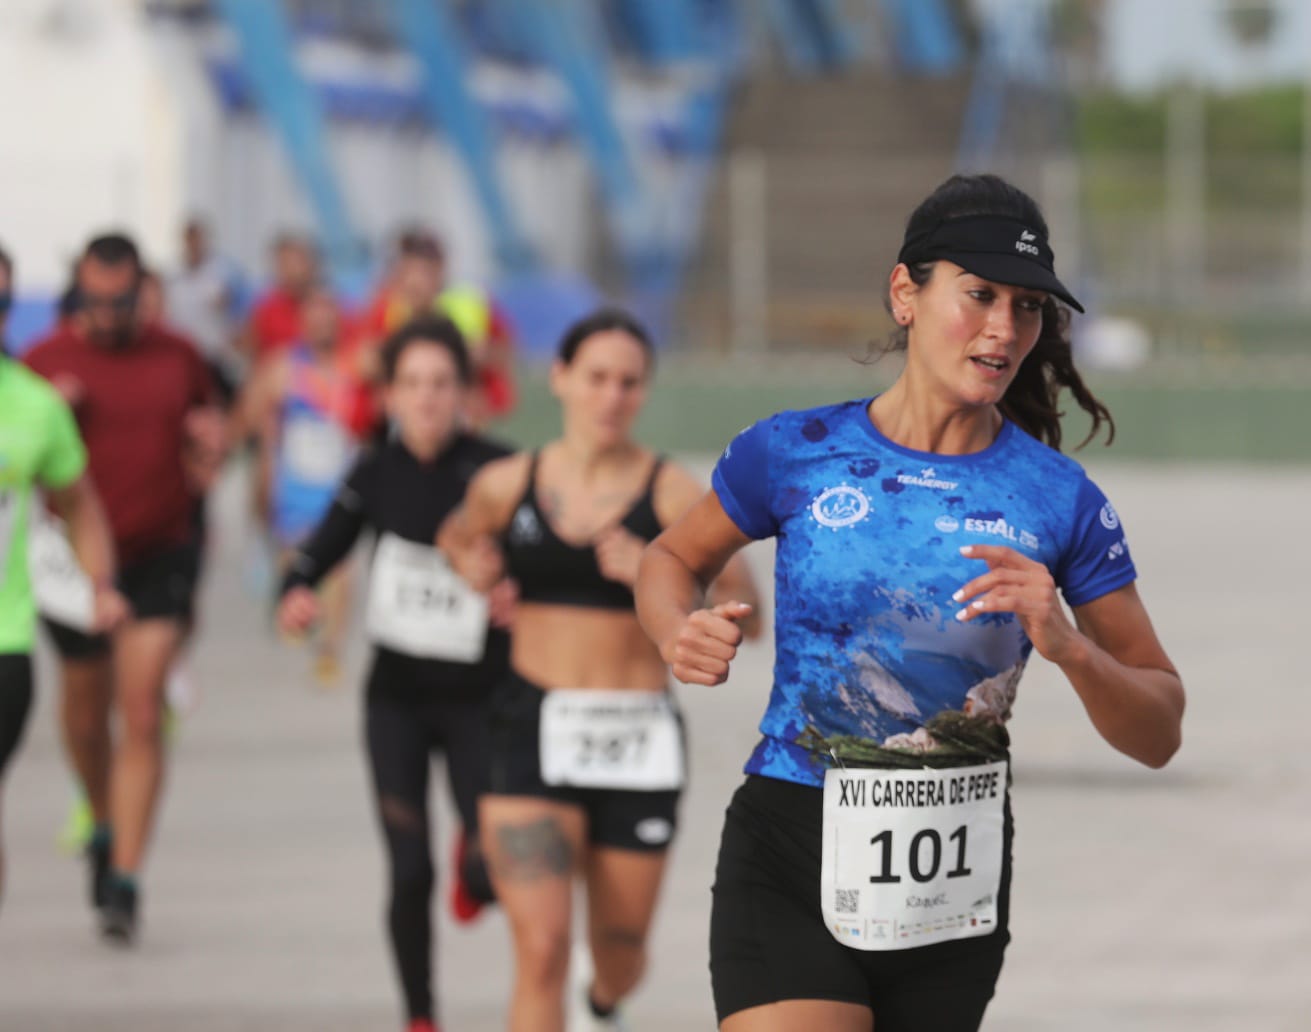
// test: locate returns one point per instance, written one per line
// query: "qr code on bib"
(848, 901)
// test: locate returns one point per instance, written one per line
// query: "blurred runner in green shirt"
(39, 448)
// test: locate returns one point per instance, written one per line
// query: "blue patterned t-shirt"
(869, 654)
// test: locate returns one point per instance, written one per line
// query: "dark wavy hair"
(1033, 398)
(427, 329)
(604, 320)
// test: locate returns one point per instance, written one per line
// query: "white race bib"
(63, 592)
(419, 606)
(611, 739)
(315, 449)
(912, 857)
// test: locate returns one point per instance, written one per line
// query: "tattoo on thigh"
(527, 852)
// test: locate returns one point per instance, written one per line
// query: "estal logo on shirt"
(996, 526)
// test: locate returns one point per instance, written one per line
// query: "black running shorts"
(161, 586)
(768, 940)
(619, 818)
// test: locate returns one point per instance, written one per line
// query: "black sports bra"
(551, 570)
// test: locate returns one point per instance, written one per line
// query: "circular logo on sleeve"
(1110, 519)
(840, 506)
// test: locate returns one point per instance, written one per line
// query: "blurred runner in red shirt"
(143, 399)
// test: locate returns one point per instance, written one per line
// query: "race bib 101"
(912, 857)
(611, 739)
(419, 606)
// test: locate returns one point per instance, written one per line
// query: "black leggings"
(15, 701)
(404, 727)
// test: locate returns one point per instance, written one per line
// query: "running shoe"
(181, 689)
(466, 903)
(421, 1025)
(584, 1018)
(79, 826)
(118, 917)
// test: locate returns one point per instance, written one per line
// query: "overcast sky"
(1152, 42)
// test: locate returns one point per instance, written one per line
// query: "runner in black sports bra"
(587, 742)
(551, 571)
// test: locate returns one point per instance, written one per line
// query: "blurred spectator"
(6, 293)
(203, 299)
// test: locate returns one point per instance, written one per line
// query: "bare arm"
(469, 534)
(255, 414)
(1132, 692)
(257, 403)
(677, 567)
(1111, 655)
(677, 492)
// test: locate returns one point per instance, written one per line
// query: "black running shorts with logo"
(15, 701)
(619, 818)
(160, 586)
(769, 942)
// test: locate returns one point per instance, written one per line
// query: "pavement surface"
(1154, 901)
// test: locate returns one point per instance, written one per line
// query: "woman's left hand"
(619, 554)
(1016, 584)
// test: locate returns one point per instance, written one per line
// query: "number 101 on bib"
(912, 857)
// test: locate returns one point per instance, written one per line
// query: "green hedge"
(1267, 120)
(699, 413)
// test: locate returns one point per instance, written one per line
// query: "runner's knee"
(543, 953)
(412, 874)
(84, 726)
(619, 957)
(143, 718)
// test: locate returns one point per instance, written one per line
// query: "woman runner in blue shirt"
(924, 540)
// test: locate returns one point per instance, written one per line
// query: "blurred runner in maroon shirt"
(143, 399)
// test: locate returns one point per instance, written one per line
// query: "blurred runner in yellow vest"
(416, 285)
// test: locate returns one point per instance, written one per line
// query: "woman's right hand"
(703, 647)
(297, 611)
(481, 564)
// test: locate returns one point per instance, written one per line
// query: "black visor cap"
(995, 248)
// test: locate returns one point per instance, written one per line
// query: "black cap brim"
(1014, 270)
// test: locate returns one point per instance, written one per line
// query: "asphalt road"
(1154, 901)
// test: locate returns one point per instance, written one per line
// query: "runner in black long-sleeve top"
(435, 654)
